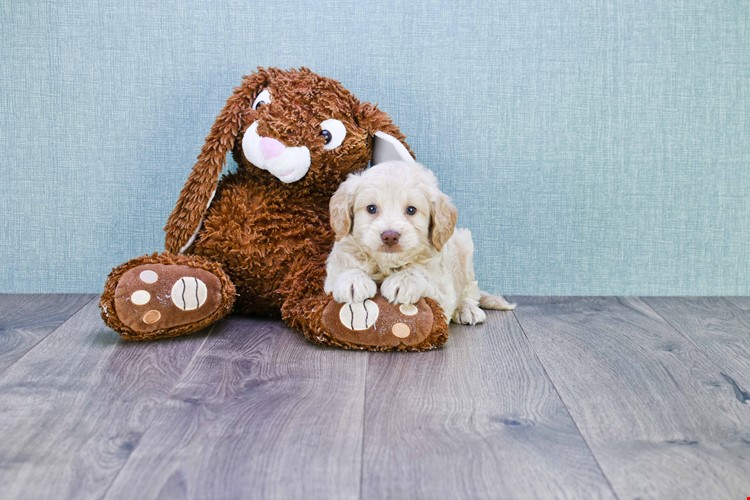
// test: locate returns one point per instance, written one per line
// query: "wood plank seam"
(276, 372)
(163, 402)
(364, 428)
(94, 298)
(651, 403)
(565, 405)
(740, 393)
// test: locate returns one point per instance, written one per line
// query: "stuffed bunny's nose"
(271, 148)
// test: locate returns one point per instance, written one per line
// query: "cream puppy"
(394, 227)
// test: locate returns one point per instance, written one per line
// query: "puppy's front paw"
(469, 314)
(353, 286)
(403, 288)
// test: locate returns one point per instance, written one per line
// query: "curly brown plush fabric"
(262, 238)
(110, 296)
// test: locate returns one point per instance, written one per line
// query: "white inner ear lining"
(200, 225)
(385, 148)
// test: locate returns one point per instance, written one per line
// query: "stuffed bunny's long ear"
(187, 217)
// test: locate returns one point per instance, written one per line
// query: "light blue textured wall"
(593, 147)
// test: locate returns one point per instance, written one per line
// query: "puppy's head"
(394, 208)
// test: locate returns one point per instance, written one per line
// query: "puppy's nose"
(390, 238)
(271, 148)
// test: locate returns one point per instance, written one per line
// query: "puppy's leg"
(468, 312)
(353, 285)
(472, 299)
(345, 278)
(405, 287)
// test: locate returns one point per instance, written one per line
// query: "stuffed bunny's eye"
(333, 132)
(262, 99)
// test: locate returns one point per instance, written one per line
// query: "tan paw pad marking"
(189, 293)
(151, 317)
(148, 276)
(140, 297)
(359, 316)
(408, 309)
(401, 330)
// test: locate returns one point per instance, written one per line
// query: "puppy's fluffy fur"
(430, 259)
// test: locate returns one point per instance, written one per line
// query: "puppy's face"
(393, 210)
(391, 218)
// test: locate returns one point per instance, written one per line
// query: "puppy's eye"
(333, 132)
(262, 99)
(411, 210)
(372, 209)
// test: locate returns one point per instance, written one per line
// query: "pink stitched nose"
(271, 148)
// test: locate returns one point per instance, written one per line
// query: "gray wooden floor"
(563, 398)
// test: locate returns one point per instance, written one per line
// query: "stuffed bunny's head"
(290, 128)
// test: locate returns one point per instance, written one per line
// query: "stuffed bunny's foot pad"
(154, 299)
(376, 324)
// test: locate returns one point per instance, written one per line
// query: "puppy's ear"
(443, 219)
(342, 207)
(387, 143)
(200, 187)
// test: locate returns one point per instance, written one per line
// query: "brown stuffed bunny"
(257, 240)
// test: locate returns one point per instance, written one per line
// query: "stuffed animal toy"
(256, 241)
